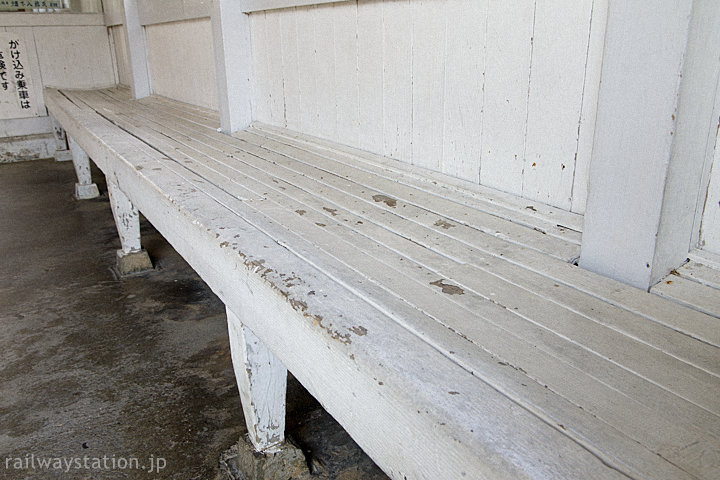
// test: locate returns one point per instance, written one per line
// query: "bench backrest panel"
(490, 92)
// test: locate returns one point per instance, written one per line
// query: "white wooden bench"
(695, 284)
(443, 325)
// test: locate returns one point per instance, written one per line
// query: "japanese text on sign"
(17, 96)
(12, 5)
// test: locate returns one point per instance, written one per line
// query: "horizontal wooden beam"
(153, 12)
(248, 6)
(51, 19)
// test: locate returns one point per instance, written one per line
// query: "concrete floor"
(96, 367)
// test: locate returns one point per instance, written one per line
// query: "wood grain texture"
(122, 56)
(573, 339)
(397, 80)
(507, 78)
(555, 100)
(182, 62)
(323, 345)
(370, 27)
(262, 383)
(447, 86)
(81, 60)
(710, 230)
(695, 285)
(591, 91)
(153, 12)
(114, 12)
(428, 82)
(464, 88)
(9, 19)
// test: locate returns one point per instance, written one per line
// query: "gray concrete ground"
(99, 371)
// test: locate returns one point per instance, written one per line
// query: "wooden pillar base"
(133, 262)
(86, 192)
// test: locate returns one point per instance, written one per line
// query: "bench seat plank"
(656, 335)
(557, 222)
(619, 380)
(694, 285)
(714, 357)
(477, 217)
(703, 273)
(666, 313)
(383, 357)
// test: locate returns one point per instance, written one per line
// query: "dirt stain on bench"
(359, 331)
(448, 288)
(334, 334)
(446, 225)
(300, 212)
(389, 201)
(332, 211)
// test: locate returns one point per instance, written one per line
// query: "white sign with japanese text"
(18, 98)
(14, 5)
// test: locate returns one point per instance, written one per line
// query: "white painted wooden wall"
(182, 61)
(118, 35)
(114, 12)
(710, 230)
(498, 92)
(65, 51)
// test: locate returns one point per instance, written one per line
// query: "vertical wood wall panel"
(497, 92)
(81, 60)
(309, 119)
(555, 99)
(370, 76)
(710, 233)
(122, 56)
(261, 105)
(397, 79)
(507, 78)
(346, 74)
(591, 92)
(273, 42)
(325, 70)
(291, 71)
(182, 61)
(464, 88)
(428, 82)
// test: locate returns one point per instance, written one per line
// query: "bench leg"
(85, 188)
(262, 381)
(62, 153)
(131, 258)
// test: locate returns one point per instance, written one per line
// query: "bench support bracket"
(262, 381)
(85, 188)
(131, 258)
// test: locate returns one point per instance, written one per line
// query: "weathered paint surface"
(84, 188)
(118, 36)
(262, 382)
(127, 219)
(467, 302)
(491, 92)
(710, 234)
(182, 62)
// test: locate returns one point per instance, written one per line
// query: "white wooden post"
(262, 382)
(131, 258)
(646, 170)
(84, 188)
(137, 49)
(233, 64)
(62, 153)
